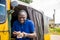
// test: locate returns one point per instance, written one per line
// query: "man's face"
(22, 17)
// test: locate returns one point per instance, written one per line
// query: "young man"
(23, 28)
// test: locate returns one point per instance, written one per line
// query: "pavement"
(54, 37)
(51, 37)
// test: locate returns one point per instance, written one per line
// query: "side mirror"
(10, 11)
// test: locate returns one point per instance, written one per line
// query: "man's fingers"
(18, 32)
(14, 32)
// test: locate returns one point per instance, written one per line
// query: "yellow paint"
(8, 4)
(46, 36)
(4, 26)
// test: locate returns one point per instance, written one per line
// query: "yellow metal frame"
(4, 26)
(46, 36)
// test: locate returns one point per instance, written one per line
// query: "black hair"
(20, 12)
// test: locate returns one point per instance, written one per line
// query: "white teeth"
(2, 5)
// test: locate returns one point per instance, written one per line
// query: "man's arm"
(13, 29)
(30, 35)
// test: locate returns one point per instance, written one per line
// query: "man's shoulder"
(29, 21)
(15, 22)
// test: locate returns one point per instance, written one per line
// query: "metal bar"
(4, 31)
(0, 37)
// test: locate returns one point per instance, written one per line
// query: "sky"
(48, 6)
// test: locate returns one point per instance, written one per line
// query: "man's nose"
(22, 19)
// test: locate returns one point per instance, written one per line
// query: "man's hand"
(25, 34)
(19, 34)
(30, 35)
(14, 32)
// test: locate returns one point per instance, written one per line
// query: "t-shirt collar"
(24, 22)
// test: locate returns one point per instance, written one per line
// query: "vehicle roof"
(16, 3)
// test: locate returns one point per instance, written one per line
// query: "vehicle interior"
(33, 15)
(16, 10)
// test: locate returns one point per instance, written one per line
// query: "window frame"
(3, 5)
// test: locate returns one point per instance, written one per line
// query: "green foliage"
(54, 30)
(57, 29)
(26, 1)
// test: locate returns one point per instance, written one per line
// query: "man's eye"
(22, 17)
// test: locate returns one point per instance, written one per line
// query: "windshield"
(2, 13)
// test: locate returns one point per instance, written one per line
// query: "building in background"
(51, 23)
(46, 24)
